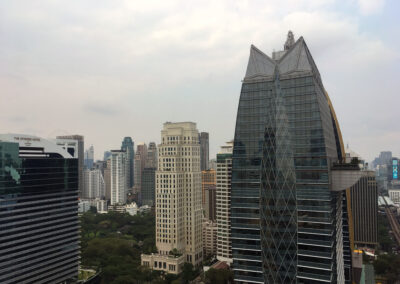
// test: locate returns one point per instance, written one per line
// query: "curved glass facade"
(286, 222)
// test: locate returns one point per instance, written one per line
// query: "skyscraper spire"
(289, 41)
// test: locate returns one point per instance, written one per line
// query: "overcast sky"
(109, 69)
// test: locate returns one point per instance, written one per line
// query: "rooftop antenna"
(289, 41)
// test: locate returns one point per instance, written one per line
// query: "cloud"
(125, 67)
(368, 7)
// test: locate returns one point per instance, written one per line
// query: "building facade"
(81, 155)
(119, 168)
(39, 236)
(204, 150)
(152, 156)
(223, 204)
(89, 157)
(210, 231)
(364, 204)
(94, 184)
(178, 198)
(107, 179)
(286, 219)
(148, 186)
(208, 190)
(128, 147)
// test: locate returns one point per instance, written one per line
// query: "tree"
(93, 209)
(219, 276)
(388, 265)
(188, 274)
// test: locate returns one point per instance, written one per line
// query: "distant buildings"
(210, 231)
(89, 157)
(132, 209)
(204, 150)
(208, 185)
(107, 154)
(140, 163)
(223, 204)
(148, 186)
(107, 179)
(128, 147)
(119, 168)
(94, 184)
(394, 195)
(152, 156)
(39, 222)
(178, 200)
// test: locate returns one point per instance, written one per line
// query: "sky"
(110, 69)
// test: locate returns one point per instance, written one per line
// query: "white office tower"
(119, 170)
(178, 199)
(94, 184)
(224, 176)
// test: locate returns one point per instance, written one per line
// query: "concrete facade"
(178, 194)
(223, 204)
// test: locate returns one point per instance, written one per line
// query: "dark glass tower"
(39, 235)
(286, 221)
(128, 147)
(204, 150)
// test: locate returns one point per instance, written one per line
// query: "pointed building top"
(259, 64)
(289, 41)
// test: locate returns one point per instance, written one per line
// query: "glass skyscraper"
(39, 235)
(286, 221)
(128, 147)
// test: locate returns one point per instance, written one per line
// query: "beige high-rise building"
(119, 170)
(210, 231)
(178, 199)
(224, 177)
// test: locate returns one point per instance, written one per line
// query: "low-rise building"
(83, 206)
(132, 209)
(168, 263)
(117, 208)
(394, 195)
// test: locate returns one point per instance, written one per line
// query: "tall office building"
(39, 236)
(208, 190)
(89, 157)
(128, 147)
(204, 150)
(66, 139)
(223, 204)
(94, 184)
(107, 179)
(152, 156)
(364, 204)
(140, 163)
(119, 169)
(286, 198)
(148, 186)
(178, 199)
(138, 170)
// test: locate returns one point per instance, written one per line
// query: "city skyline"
(101, 65)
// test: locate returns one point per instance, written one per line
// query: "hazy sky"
(109, 69)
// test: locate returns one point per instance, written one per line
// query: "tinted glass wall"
(39, 236)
